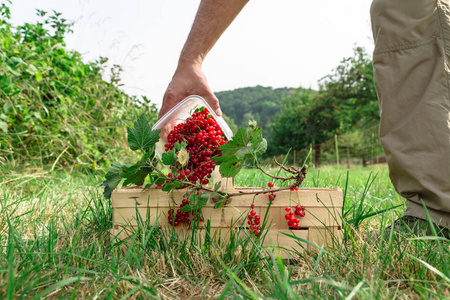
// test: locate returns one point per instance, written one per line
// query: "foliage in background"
(296, 118)
(346, 102)
(253, 103)
(352, 90)
(306, 117)
(51, 101)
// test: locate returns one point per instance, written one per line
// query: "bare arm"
(212, 19)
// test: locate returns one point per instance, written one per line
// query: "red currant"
(203, 137)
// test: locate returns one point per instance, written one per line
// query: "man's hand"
(212, 19)
(188, 80)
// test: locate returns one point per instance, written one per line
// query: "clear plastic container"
(179, 113)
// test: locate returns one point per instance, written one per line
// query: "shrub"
(52, 101)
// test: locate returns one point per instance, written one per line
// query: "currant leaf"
(231, 168)
(169, 158)
(223, 159)
(221, 201)
(141, 136)
(107, 191)
(171, 185)
(257, 149)
(242, 138)
(217, 186)
(137, 173)
(180, 146)
(113, 176)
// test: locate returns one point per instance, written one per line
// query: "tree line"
(293, 119)
(54, 103)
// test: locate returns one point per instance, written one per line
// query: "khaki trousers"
(411, 69)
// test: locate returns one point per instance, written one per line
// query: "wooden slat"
(309, 197)
(151, 197)
(156, 197)
(223, 216)
(322, 220)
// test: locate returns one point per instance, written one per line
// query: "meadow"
(54, 233)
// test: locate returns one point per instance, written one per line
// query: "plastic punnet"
(179, 113)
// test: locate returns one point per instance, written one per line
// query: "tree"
(352, 90)
(306, 118)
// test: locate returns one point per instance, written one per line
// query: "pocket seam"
(384, 50)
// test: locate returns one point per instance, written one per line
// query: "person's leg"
(411, 64)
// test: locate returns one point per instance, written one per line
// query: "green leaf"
(180, 146)
(187, 208)
(198, 109)
(176, 184)
(137, 173)
(217, 186)
(136, 178)
(221, 201)
(114, 175)
(160, 180)
(141, 136)
(223, 159)
(256, 149)
(153, 180)
(147, 186)
(169, 158)
(171, 185)
(107, 191)
(242, 138)
(230, 169)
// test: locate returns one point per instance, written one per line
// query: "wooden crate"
(320, 226)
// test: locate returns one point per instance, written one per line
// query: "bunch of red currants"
(253, 221)
(179, 217)
(293, 221)
(203, 137)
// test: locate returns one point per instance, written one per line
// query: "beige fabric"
(411, 69)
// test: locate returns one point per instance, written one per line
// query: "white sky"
(271, 43)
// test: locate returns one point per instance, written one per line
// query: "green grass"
(55, 243)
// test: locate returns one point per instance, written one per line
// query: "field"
(54, 233)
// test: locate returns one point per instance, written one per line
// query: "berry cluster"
(253, 221)
(204, 137)
(272, 196)
(182, 217)
(293, 221)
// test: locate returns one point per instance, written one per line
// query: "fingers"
(186, 82)
(212, 100)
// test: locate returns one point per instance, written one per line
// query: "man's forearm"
(212, 19)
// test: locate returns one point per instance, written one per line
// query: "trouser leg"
(411, 69)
